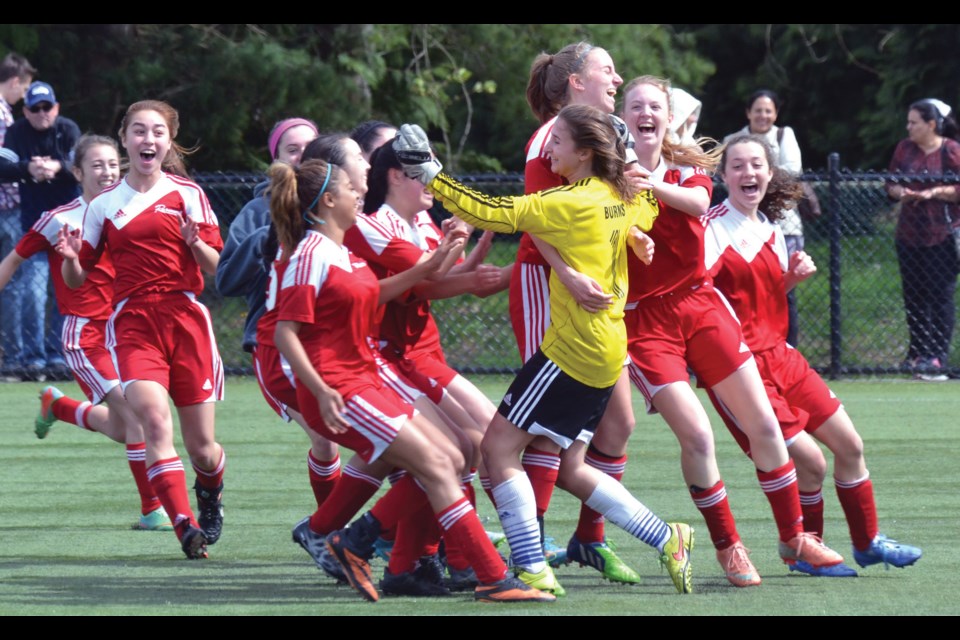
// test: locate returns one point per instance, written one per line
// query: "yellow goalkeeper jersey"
(587, 223)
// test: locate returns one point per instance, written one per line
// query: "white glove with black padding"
(413, 150)
(626, 137)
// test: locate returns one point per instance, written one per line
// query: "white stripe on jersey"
(70, 214)
(539, 140)
(311, 261)
(728, 227)
(535, 294)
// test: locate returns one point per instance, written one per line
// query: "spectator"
(43, 144)
(686, 114)
(15, 76)
(925, 247)
(763, 107)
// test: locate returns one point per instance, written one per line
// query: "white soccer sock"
(611, 499)
(517, 508)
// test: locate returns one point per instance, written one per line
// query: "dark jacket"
(56, 142)
(242, 268)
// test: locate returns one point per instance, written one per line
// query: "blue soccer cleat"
(888, 551)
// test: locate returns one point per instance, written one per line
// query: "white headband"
(941, 106)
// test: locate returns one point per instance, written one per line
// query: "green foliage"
(845, 87)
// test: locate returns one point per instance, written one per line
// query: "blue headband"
(326, 181)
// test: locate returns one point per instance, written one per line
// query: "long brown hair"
(294, 193)
(591, 129)
(783, 191)
(676, 153)
(173, 161)
(548, 84)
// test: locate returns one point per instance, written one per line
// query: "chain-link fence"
(851, 313)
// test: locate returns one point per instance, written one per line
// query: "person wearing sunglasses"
(39, 157)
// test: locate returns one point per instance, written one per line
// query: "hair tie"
(306, 214)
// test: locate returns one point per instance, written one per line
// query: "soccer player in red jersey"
(162, 236)
(746, 254)
(676, 319)
(326, 313)
(85, 310)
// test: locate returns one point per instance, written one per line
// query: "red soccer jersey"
(678, 261)
(267, 324)
(537, 176)
(333, 294)
(390, 245)
(142, 231)
(92, 299)
(747, 260)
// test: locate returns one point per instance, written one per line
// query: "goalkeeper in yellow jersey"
(561, 392)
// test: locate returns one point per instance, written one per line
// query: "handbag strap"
(944, 159)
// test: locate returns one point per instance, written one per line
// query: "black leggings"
(929, 276)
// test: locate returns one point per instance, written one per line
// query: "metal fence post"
(836, 233)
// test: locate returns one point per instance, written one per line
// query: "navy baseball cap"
(39, 92)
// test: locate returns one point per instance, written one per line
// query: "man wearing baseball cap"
(42, 144)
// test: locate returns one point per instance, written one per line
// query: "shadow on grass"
(175, 582)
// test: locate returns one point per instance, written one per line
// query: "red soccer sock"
(417, 535)
(404, 497)
(323, 476)
(347, 498)
(212, 478)
(811, 503)
(466, 483)
(136, 458)
(462, 531)
(170, 484)
(488, 489)
(590, 527)
(856, 498)
(542, 468)
(72, 411)
(715, 508)
(780, 487)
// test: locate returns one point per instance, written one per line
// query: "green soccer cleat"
(601, 557)
(676, 556)
(45, 418)
(156, 520)
(544, 580)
